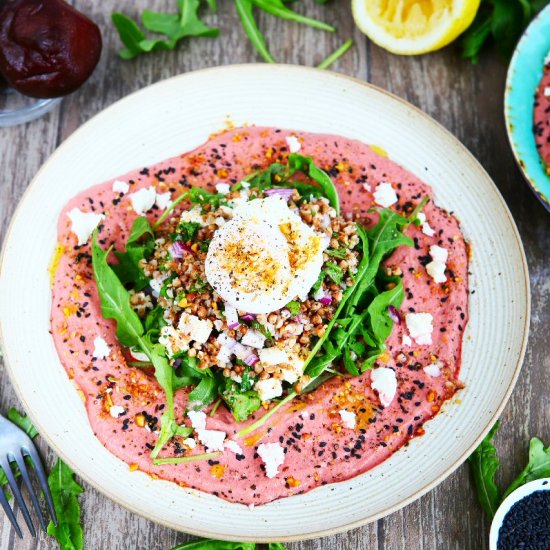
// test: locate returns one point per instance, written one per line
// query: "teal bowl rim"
(522, 80)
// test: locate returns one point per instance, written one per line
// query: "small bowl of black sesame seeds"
(522, 521)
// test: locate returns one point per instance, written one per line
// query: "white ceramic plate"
(179, 114)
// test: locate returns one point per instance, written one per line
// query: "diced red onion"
(283, 192)
(301, 319)
(326, 300)
(233, 326)
(251, 360)
(394, 315)
(231, 316)
(248, 317)
(177, 249)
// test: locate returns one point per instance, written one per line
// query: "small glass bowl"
(16, 108)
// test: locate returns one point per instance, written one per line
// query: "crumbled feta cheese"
(173, 340)
(304, 414)
(156, 286)
(83, 223)
(211, 439)
(273, 456)
(367, 187)
(198, 419)
(384, 381)
(420, 327)
(163, 200)
(384, 195)
(269, 388)
(436, 268)
(101, 349)
(547, 91)
(224, 356)
(273, 356)
(223, 188)
(231, 315)
(293, 370)
(233, 446)
(194, 328)
(116, 410)
(348, 419)
(253, 338)
(293, 143)
(190, 442)
(143, 200)
(406, 340)
(433, 369)
(193, 215)
(120, 186)
(245, 184)
(425, 226)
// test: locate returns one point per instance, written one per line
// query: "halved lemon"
(410, 27)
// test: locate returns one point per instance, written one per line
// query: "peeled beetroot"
(47, 48)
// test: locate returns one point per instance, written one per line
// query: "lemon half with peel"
(410, 27)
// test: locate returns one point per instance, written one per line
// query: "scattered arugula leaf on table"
(501, 20)
(174, 26)
(484, 464)
(65, 492)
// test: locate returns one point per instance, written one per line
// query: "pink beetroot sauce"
(319, 449)
(541, 118)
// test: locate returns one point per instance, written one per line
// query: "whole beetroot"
(47, 48)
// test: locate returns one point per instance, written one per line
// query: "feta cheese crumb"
(120, 186)
(420, 327)
(436, 268)
(101, 349)
(273, 356)
(190, 442)
(433, 369)
(384, 381)
(163, 200)
(194, 215)
(194, 328)
(223, 188)
(273, 456)
(384, 195)
(406, 340)
(293, 143)
(269, 388)
(233, 446)
(143, 200)
(198, 419)
(116, 410)
(547, 91)
(253, 338)
(425, 226)
(348, 419)
(83, 223)
(211, 439)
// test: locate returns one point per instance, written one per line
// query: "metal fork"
(15, 445)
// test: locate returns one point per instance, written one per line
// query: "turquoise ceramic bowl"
(524, 75)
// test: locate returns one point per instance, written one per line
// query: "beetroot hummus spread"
(344, 427)
(542, 116)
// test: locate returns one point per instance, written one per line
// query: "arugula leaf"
(204, 393)
(276, 546)
(278, 9)
(211, 544)
(140, 245)
(336, 54)
(241, 403)
(484, 463)
(188, 230)
(537, 467)
(174, 26)
(114, 298)
(245, 10)
(379, 320)
(334, 272)
(23, 422)
(256, 325)
(65, 491)
(307, 166)
(340, 253)
(293, 307)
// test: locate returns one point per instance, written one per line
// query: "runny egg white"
(264, 257)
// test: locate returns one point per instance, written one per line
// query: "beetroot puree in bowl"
(541, 117)
(319, 449)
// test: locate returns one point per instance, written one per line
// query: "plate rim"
(344, 527)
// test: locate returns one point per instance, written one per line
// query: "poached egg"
(264, 257)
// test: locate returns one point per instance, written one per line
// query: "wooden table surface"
(466, 99)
